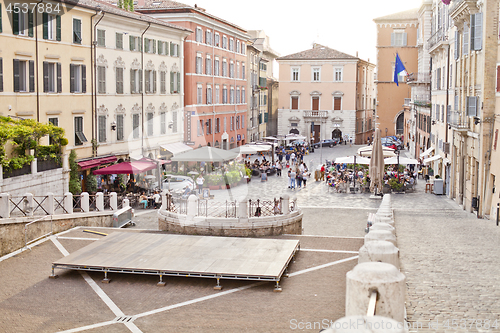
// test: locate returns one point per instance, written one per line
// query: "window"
(101, 123)
(476, 31)
(52, 81)
(134, 43)
(77, 78)
(51, 27)
(150, 81)
(175, 82)
(77, 31)
(316, 74)
(224, 67)
(231, 44)
(135, 81)
(338, 74)
(101, 79)
(162, 48)
(295, 74)
(1, 70)
(208, 65)
(119, 80)
(119, 127)
(224, 95)
(295, 102)
(231, 69)
(231, 100)
(398, 37)
(54, 121)
(224, 42)
(135, 125)
(208, 123)
(217, 94)
(199, 127)
(315, 103)
(199, 35)
(243, 48)
(457, 45)
(242, 122)
(174, 121)
(243, 96)
(24, 75)
(237, 70)
(199, 94)
(174, 50)
(101, 38)
(217, 39)
(438, 79)
(208, 37)
(22, 23)
(472, 103)
(119, 41)
(231, 123)
(199, 61)
(243, 70)
(238, 95)
(149, 45)
(209, 94)
(163, 122)
(217, 125)
(465, 42)
(337, 103)
(150, 123)
(225, 124)
(216, 66)
(79, 136)
(237, 46)
(163, 82)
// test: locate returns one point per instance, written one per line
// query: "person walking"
(293, 175)
(304, 177)
(278, 168)
(299, 178)
(199, 182)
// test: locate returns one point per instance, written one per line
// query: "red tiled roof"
(318, 52)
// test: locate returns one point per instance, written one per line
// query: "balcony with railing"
(315, 114)
(460, 10)
(458, 120)
(437, 38)
(418, 78)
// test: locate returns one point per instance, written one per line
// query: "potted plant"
(395, 185)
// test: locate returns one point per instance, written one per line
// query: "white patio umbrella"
(249, 150)
(367, 151)
(376, 164)
(353, 160)
(402, 160)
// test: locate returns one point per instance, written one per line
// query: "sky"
(294, 25)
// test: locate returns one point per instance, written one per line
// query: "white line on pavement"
(89, 327)
(324, 236)
(322, 266)
(105, 298)
(329, 251)
(79, 238)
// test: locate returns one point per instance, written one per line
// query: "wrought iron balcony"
(458, 120)
(438, 37)
(423, 78)
(315, 114)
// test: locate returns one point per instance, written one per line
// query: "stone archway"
(336, 133)
(400, 123)
(294, 131)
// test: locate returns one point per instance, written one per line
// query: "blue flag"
(399, 69)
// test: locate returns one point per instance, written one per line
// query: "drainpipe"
(94, 109)
(142, 89)
(36, 64)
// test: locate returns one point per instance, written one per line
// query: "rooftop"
(318, 52)
(411, 14)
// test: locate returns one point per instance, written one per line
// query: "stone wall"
(12, 235)
(239, 227)
(39, 184)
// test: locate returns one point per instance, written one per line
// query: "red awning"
(95, 162)
(126, 168)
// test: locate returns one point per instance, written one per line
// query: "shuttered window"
(465, 40)
(295, 102)
(315, 103)
(337, 103)
(77, 31)
(457, 45)
(119, 80)
(102, 129)
(476, 31)
(119, 127)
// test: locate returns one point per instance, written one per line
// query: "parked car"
(390, 145)
(396, 142)
(176, 182)
(325, 143)
(337, 140)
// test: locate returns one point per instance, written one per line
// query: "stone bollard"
(4, 205)
(383, 219)
(164, 200)
(386, 279)
(68, 202)
(99, 201)
(379, 251)
(84, 202)
(285, 208)
(49, 204)
(113, 201)
(243, 209)
(28, 204)
(383, 226)
(125, 203)
(364, 324)
(192, 206)
(380, 235)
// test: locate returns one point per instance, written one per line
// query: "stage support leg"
(218, 286)
(53, 276)
(161, 283)
(106, 280)
(277, 288)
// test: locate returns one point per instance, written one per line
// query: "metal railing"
(437, 37)
(315, 113)
(19, 204)
(418, 78)
(225, 209)
(263, 208)
(458, 120)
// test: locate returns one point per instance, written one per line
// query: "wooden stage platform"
(238, 258)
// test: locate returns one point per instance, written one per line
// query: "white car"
(176, 182)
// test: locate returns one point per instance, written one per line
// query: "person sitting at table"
(143, 199)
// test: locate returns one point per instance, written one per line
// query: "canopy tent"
(433, 158)
(249, 150)
(126, 168)
(205, 154)
(291, 137)
(260, 146)
(353, 160)
(402, 160)
(427, 152)
(367, 151)
(376, 163)
(176, 148)
(270, 138)
(95, 162)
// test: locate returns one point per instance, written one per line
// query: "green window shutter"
(15, 68)
(59, 77)
(45, 18)
(131, 43)
(0, 17)
(171, 81)
(154, 46)
(45, 76)
(178, 50)
(165, 48)
(71, 78)
(15, 23)
(171, 49)
(58, 28)
(32, 75)
(178, 83)
(84, 79)
(140, 80)
(132, 81)
(146, 44)
(154, 81)
(160, 51)
(140, 44)
(30, 23)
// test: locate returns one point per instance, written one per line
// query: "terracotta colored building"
(396, 33)
(215, 103)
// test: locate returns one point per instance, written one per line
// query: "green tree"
(75, 186)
